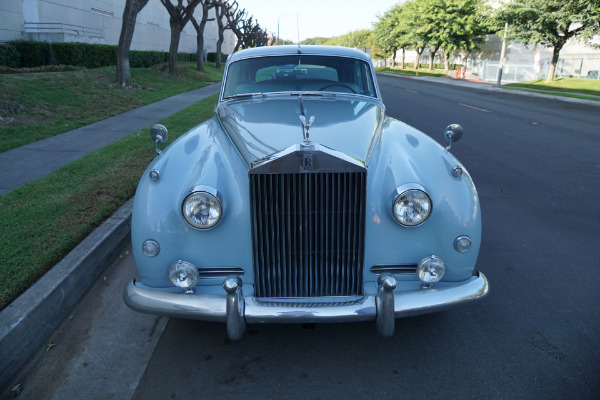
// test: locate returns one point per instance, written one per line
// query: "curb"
(28, 322)
(492, 88)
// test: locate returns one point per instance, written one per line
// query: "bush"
(144, 59)
(212, 57)
(84, 54)
(32, 54)
(9, 56)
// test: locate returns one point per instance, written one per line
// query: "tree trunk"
(132, 8)
(402, 59)
(200, 52)
(175, 36)
(219, 44)
(394, 58)
(433, 52)
(555, 54)
(418, 59)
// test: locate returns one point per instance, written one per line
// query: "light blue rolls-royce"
(300, 201)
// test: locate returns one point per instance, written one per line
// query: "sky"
(315, 18)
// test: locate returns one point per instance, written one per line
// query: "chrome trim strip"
(214, 307)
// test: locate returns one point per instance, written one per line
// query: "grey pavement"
(33, 320)
(36, 160)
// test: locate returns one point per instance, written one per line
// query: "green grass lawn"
(412, 72)
(562, 86)
(35, 106)
(42, 221)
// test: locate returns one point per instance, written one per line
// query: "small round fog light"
(184, 275)
(431, 270)
(462, 244)
(151, 248)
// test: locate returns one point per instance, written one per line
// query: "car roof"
(267, 51)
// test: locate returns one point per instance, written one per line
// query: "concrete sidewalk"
(36, 160)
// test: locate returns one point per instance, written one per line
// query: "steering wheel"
(338, 84)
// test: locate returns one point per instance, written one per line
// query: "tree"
(132, 9)
(462, 25)
(206, 6)
(384, 40)
(438, 24)
(179, 14)
(551, 23)
(235, 18)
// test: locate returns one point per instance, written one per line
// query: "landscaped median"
(587, 89)
(42, 221)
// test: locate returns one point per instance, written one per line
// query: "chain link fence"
(588, 68)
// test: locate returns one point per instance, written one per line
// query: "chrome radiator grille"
(308, 233)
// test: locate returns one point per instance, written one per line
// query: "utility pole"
(502, 53)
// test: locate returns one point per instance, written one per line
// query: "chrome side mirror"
(453, 133)
(158, 134)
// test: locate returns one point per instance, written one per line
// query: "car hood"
(260, 127)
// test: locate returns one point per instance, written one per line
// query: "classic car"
(300, 201)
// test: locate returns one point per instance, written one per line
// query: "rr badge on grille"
(307, 161)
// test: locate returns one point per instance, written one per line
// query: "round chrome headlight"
(411, 207)
(202, 210)
(431, 270)
(183, 274)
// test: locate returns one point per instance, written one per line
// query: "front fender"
(202, 156)
(405, 155)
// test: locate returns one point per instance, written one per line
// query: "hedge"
(212, 57)
(9, 56)
(30, 54)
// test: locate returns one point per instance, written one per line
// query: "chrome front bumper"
(235, 310)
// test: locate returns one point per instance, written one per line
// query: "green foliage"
(212, 57)
(32, 54)
(9, 56)
(145, 59)
(84, 54)
(359, 38)
(319, 41)
(449, 24)
(35, 54)
(551, 23)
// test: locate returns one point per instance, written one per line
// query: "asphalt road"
(536, 165)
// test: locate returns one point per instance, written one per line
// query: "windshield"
(299, 73)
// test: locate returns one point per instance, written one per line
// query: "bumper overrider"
(236, 310)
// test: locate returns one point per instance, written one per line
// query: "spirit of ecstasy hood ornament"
(306, 126)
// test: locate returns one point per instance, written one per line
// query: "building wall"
(99, 21)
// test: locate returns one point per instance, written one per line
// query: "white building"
(99, 21)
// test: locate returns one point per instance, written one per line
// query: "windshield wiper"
(306, 94)
(242, 95)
